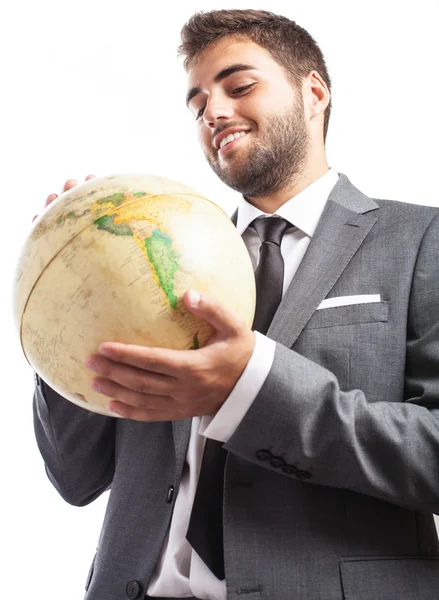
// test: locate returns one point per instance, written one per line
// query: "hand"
(69, 184)
(158, 384)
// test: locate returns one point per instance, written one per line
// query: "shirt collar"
(303, 210)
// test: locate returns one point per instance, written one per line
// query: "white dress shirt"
(180, 572)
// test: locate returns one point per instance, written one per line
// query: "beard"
(273, 161)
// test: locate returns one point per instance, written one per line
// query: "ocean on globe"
(110, 260)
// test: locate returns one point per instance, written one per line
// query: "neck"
(271, 202)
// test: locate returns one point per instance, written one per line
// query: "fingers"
(155, 360)
(142, 414)
(69, 184)
(131, 398)
(131, 378)
(50, 198)
(226, 322)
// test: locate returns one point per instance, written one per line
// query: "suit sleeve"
(389, 450)
(77, 446)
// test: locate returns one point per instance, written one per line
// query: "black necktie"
(269, 274)
(205, 531)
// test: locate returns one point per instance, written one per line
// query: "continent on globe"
(164, 263)
(110, 260)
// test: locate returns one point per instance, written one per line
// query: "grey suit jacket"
(333, 474)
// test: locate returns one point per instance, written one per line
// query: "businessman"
(297, 460)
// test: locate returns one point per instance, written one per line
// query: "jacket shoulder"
(397, 207)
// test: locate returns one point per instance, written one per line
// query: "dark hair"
(288, 43)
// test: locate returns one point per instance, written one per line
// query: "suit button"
(290, 469)
(303, 475)
(170, 494)
(133, 589)
(277, 462)
(263, 454)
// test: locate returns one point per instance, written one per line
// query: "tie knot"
(270, 229)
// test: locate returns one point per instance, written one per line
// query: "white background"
(95, 87)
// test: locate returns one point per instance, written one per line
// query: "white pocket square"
(347, 300)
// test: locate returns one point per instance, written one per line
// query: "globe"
(110, 260)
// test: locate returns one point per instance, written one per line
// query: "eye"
(236, 91)
(200, 113)
(242, 89)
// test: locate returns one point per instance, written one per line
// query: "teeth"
(231, 137)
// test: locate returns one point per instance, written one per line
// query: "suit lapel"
(347, 219)
(337, 238)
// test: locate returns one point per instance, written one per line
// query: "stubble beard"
(274, 160)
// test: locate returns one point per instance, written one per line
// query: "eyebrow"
(218, 77)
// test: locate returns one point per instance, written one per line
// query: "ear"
(316, 95)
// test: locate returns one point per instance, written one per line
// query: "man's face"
(237, 88)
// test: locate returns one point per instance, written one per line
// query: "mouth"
(231, 142)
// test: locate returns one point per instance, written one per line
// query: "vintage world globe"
(110, 260)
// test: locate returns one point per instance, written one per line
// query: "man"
(329, 416)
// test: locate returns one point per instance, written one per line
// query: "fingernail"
(96, 385)
(90, 364)
(104, 351)
(194, 298)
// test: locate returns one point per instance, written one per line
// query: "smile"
(231, 140)
(231, 137)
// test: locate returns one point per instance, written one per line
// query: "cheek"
(252, 109)
(268, 104)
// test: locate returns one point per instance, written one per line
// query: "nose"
(217, 108)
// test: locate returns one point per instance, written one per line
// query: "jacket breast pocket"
(390, 577)
(369, 312)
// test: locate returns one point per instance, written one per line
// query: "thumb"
(224, 320)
